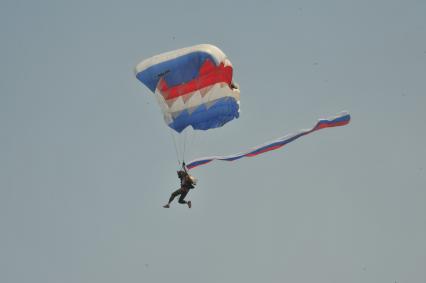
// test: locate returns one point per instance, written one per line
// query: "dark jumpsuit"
(185, 185)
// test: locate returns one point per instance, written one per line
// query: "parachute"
(194, 87)
(339, 120)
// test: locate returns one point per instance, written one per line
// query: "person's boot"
(166, 205)
(189, 203)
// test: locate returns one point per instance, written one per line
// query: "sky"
(86, 161)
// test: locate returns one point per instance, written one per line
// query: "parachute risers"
(341, 119)
(194, 87)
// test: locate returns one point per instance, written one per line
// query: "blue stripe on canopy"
(203, 118)
(175, 71)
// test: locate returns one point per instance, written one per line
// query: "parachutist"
(187, 183)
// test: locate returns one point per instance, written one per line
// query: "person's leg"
(182, 198)
(175, 194)
(172, 197)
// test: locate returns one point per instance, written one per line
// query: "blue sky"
(87, 161)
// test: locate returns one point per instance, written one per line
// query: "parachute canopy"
(193, 85)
